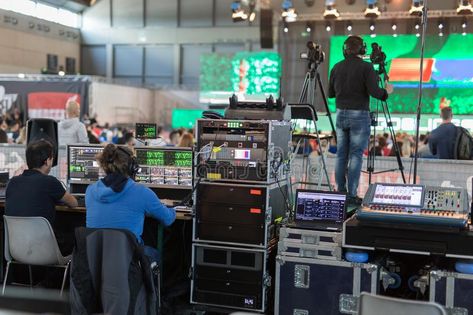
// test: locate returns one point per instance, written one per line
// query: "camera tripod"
(308, 94)
(374, 122)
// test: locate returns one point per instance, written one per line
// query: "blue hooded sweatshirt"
(125, 209)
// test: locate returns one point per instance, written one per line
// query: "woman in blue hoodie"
(117, 201)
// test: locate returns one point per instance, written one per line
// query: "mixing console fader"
(415, 204)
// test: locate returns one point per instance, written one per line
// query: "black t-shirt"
(33, 194)
(352, 81)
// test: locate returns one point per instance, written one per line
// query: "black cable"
(275, 172)
(186, 199)
(419, 104)
(286, 200)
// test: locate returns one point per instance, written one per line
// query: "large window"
(42, 11)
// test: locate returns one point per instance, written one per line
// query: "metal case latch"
(457, 311)
(302, 276)
(348, 304)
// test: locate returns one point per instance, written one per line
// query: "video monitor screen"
(320, 206)
(412, 195)
(165, 166)
(145, 131)
(251, 76)
(82, 163)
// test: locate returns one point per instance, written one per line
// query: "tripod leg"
(305, 85)
(322, 158)
(396, 148)
(324, 97)
(371, 151)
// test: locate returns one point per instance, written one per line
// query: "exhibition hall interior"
(207, 157)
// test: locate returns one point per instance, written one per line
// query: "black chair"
(111, 274)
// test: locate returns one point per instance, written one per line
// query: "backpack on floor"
(463, 145)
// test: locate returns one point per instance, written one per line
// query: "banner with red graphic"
(44, 98)
(49, 104)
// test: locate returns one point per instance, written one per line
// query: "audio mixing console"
(415, 204)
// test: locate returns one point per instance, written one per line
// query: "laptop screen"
(320, 206)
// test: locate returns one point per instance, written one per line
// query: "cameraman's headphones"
(354, 45)
(133, 166)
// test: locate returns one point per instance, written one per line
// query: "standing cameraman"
(352, 81)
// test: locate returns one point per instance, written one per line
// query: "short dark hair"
(38, 152)
(446, 113)
(353, 45)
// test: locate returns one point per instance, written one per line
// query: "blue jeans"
(353, 133)
(152, 253)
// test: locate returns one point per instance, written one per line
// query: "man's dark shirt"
(442, 141)
(352, 81)
(33, 194)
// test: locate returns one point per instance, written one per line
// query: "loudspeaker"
(266, 28)
(42, 128)
(52, 63)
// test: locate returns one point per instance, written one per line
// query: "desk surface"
(180, 215)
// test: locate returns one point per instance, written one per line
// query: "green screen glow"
(448, 71)
(250, 75)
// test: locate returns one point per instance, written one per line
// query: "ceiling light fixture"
(238, 14)
(349, 27)
(372, 11)
(252, 10)
(288, 14)
(328, 27)
(417, 8)
(330, 11)
(464, 7)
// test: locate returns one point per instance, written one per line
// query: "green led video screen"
(186, 118)
(252, 76)
(447, 71)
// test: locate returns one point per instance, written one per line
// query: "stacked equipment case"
(240, 193)
(313, 279)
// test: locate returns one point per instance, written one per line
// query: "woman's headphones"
(354, 45)
(133, 166)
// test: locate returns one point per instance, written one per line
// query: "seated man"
(34, 192)
(117, 201)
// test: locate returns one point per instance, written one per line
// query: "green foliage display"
(250, 75)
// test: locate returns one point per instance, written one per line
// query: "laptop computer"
(319, 210)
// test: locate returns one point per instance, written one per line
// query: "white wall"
(26, 41)
(26, 53)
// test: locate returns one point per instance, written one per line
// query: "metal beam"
(346, 16)
(146, 36)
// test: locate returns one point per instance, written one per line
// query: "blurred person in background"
(186, 141)
(71, 130)
(424, 150)
(174, 137)
(22, 137)
(383, 146)
(14, 130)
(443, 138)
(91, 136)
